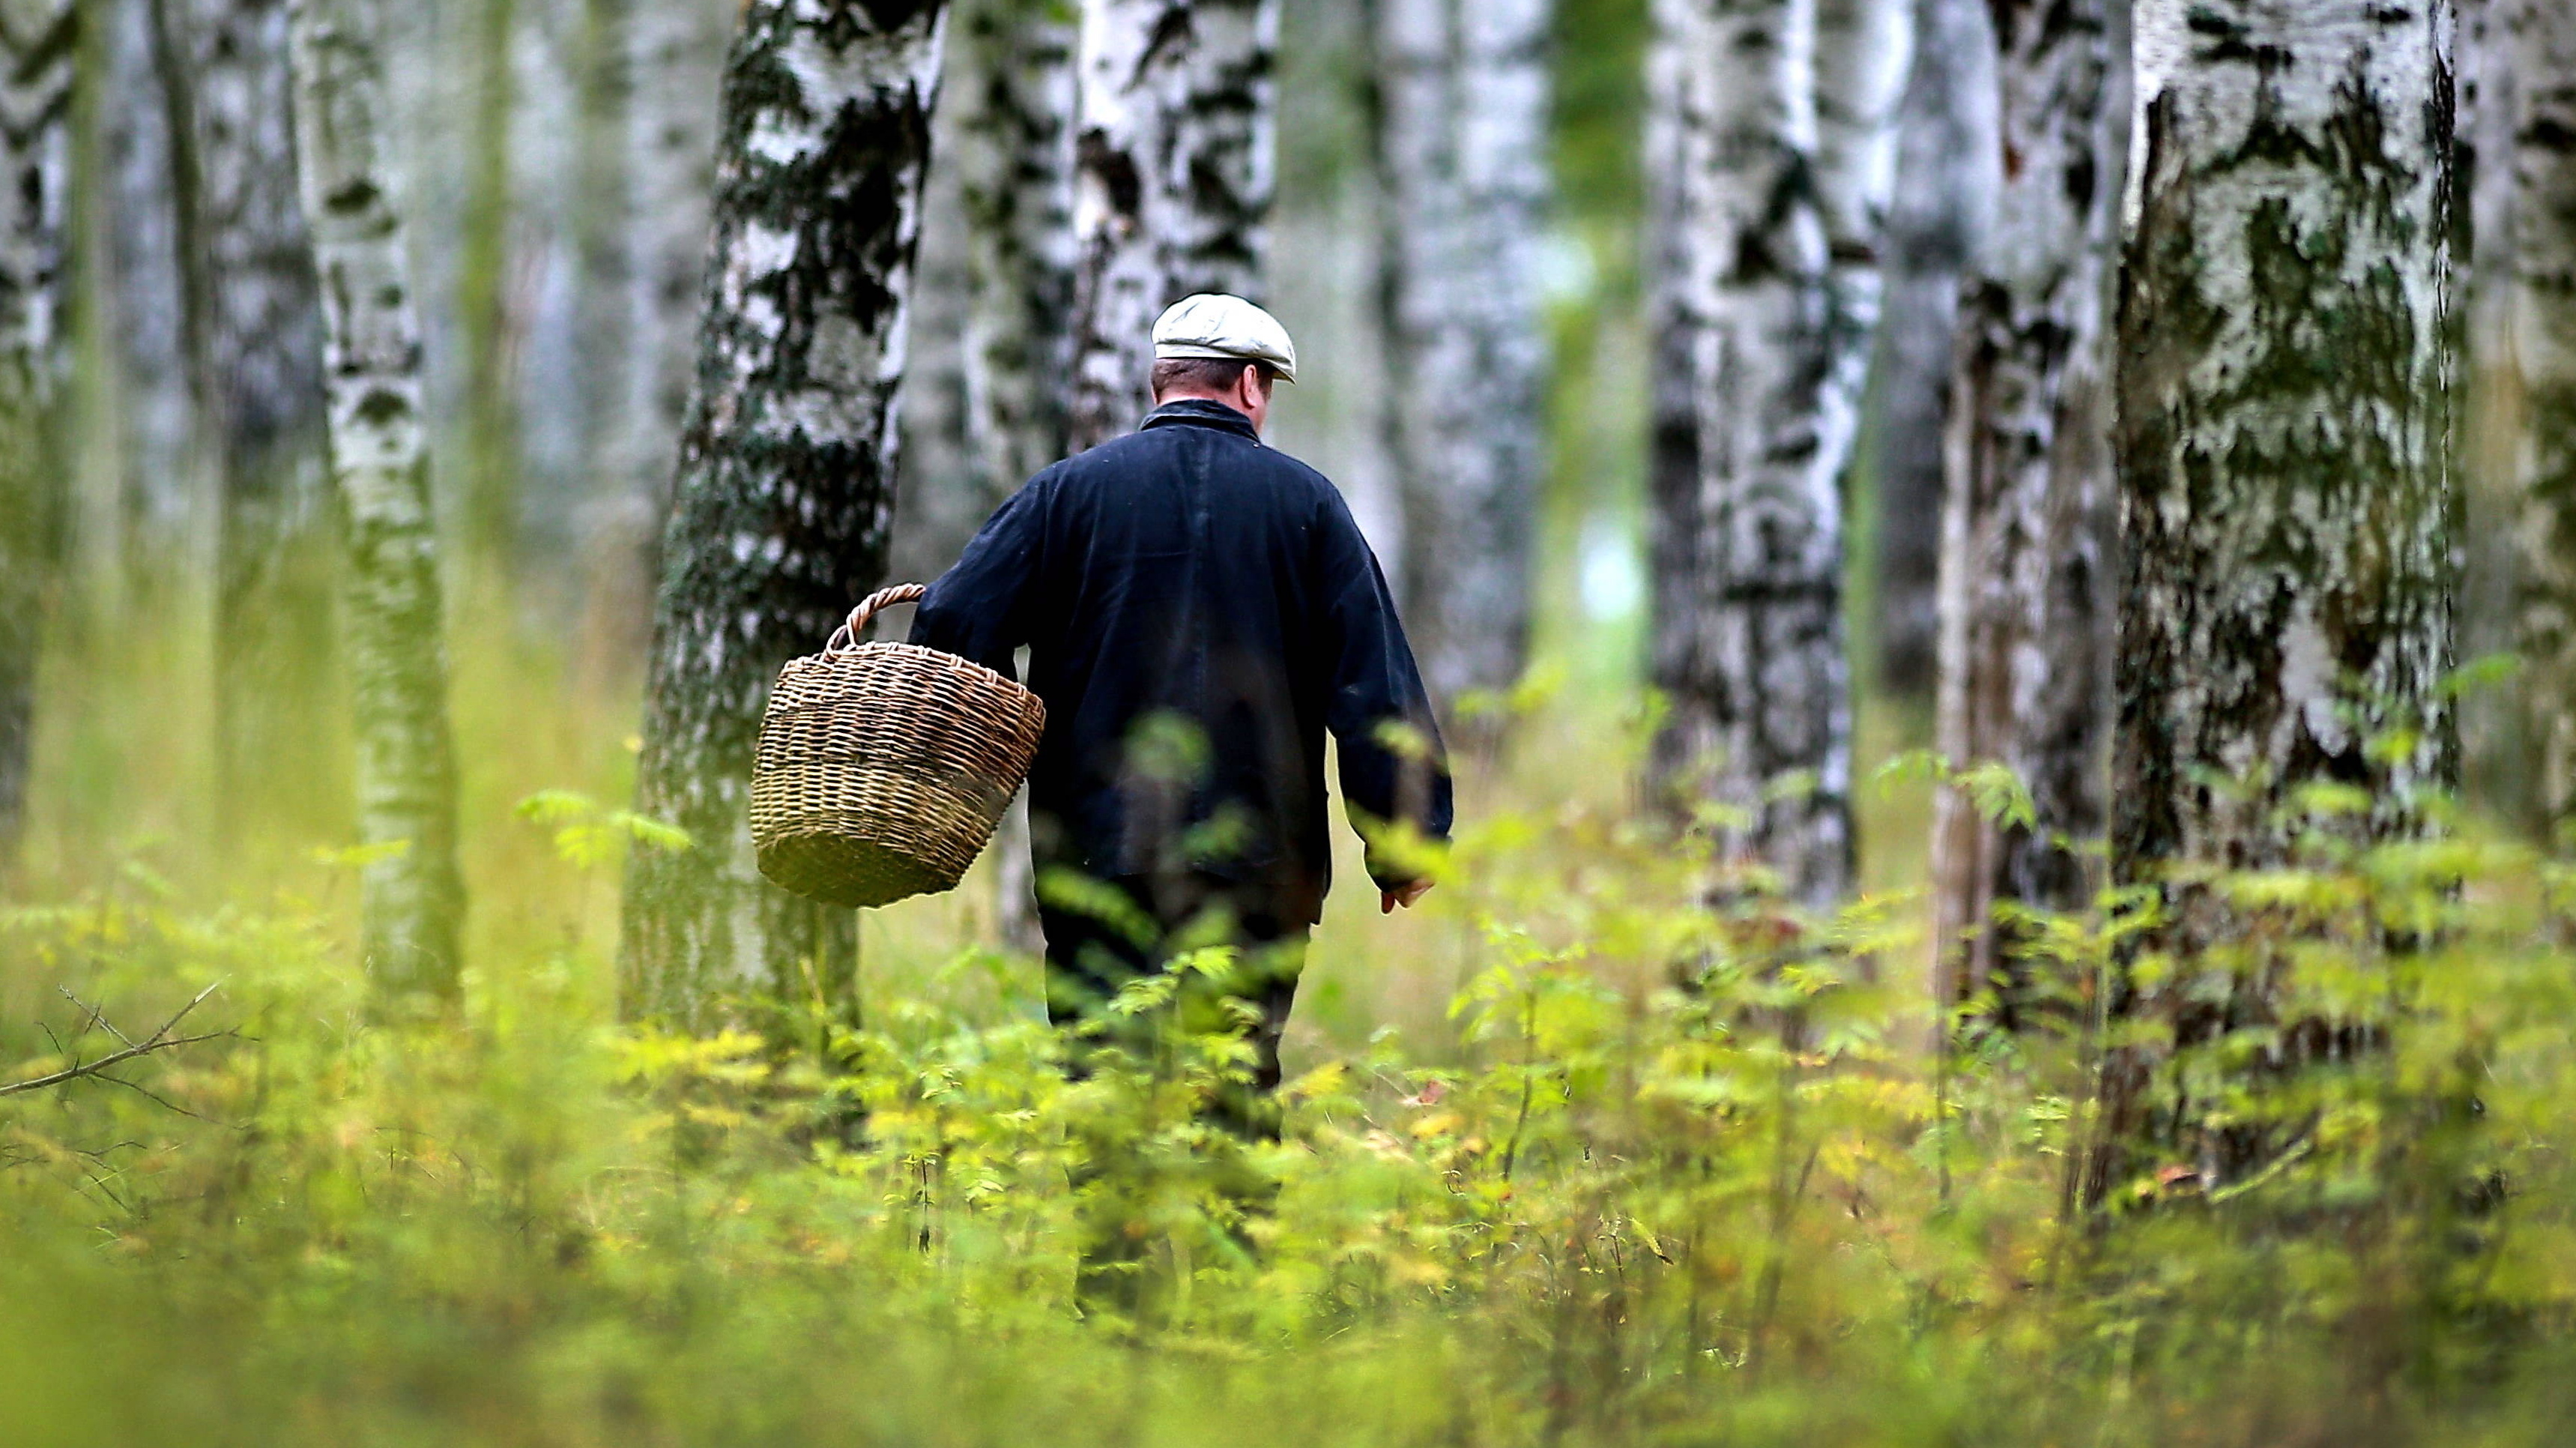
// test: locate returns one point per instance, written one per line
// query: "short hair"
(1215, 374)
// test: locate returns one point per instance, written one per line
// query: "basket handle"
(846, 637)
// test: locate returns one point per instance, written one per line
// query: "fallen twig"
(160, 1040)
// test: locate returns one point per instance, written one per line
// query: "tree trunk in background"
(603, 324)
(39, 61)
(490, 431)
(2028, 532)
(1017, 188)
(147, 478)
(1779, 169)
(676, 49)
(786, 469)
(1174, 155)
(985, 389)
(255, 342)
(1946, 178)
(648, 168)
(1864, 51)
(2543, 41)
(2500, 770)
(1015, 158)
(413, 896)
(1672, 443)
(2284, 437)
(1462, 120)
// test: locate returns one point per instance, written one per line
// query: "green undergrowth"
(1664, 1173)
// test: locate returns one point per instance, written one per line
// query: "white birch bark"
(2028, 536)
(2543, 261)
(1864, 50)
(2283, 366)
(786, 469)
(39, 61)
(1778, 167)
(1461, 149)
(1175, 172)
(413, 894)
(1947, 174)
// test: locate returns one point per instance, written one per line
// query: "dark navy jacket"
(1198, 610)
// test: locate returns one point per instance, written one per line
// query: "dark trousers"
(1100, 938)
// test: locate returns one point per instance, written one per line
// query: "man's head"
(1243, 386)
(1224, 349)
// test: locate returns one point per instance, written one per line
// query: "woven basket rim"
(959, 661)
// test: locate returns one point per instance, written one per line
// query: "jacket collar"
(1201, 412)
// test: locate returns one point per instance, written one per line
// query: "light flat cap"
(1213, 324)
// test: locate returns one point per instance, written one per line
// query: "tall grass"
(1571, 1157)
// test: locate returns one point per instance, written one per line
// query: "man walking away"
(1199, 609)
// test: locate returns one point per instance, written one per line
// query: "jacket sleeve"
(979, 609)
(1395, 770)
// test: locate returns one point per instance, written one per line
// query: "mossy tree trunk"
(2283, 379)
(2028, 531)
(785, 479)
(1777, 163)
(1174, 150)
(1462, 90)
(414, 897)
(39, 62)
(2543, 260)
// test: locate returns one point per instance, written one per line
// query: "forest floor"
(1554, 1172)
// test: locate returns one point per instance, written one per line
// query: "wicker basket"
(883, 768)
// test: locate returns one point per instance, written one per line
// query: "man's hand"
(1387, 900)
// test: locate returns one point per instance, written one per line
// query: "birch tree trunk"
(1778, 172)
(2284, 437)
(1174, 175)
(2028, 532)
(785, 476)
(2502, 774)
(1002, 156)
(2543, 38)
(603, 325)
(254, 337)
(1016, 185)
(39, 60)
(676, 52)
(1461, 153)
(1946, 178)
(490, 433)
(414, 897)
(1673, 441)
(1864, 50)
(146, 479)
